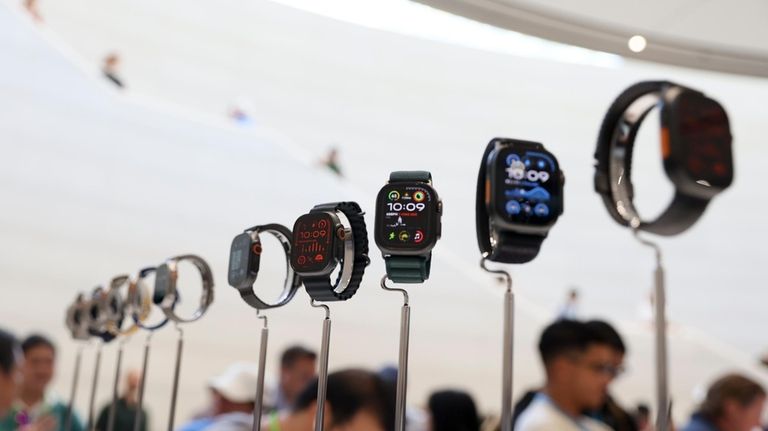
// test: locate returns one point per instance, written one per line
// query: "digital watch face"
(243, 255)
(406, 217)
(704, 138)
(313, 243)
(526, 186)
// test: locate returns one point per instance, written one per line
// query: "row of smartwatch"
(333, 238)
(519, 198)
(107, 312)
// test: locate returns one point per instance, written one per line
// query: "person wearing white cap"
(233, 395)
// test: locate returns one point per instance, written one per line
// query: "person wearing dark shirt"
(125, 408)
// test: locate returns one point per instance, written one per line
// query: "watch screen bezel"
(677, 152)
(332, 255)
(433, 220)
(496, 208)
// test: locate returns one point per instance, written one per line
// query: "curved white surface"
(95, 182)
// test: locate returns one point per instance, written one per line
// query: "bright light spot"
(637, 43)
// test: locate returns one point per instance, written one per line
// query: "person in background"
(125, 409)
(733, 403)
(298, 366)
(331, 162)
(233, 395)
(111, 69)
(31, 7)
(356, 400)
(579, 366)
(34, 404)
(453, 411)
(10, 356)
(610, 413)
(643, 418)
(570, 310)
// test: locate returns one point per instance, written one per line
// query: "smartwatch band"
(320, 288)
(140, 301)
(409, 269)
(292, 280)
(501, 245)
(613, 163)
(167, 293)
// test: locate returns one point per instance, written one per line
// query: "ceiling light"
(637, 43)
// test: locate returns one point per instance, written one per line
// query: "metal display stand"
(508, 347)
(402, 362)
(663, 402)
(73, 393)
(322, 378)
(259, 402)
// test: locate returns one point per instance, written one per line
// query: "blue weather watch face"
(527, 187)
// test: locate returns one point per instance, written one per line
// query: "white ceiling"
(703, 34)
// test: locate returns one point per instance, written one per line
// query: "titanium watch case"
(680, 108)
(434, 221)
(77, 318)
(166, 292)
(494, 206)
(244, 263)
(342, 248)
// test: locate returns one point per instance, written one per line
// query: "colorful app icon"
(392, 236)
(319, 258)
(394, 195)
(419, 196)
(418, 237)
(302, 260)
(404, 236)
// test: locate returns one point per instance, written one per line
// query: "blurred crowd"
(581, 360)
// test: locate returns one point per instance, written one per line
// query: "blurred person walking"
(570, 310)
(733, 403)
(111, 69)
(10, 358)
(34, 403)
(580, 366)
(298, 366)
(125, 409)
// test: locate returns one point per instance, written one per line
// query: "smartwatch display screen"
(526, 186)
(405, 216)
(313, 243)
(705, 140)
(240, 259)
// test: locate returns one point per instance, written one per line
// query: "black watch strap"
(403, 268)
(292, 281)
(320, 288)
(508, 246)
(682, 212)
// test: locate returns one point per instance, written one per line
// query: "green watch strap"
(403, 176)
(408, 269)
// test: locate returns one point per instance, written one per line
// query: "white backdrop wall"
(96, 182)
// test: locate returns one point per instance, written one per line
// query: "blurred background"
(135, 130)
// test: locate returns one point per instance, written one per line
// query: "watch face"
(406, 217)
(313, 243)
(525, 186)
(701, 143)
(243, 255)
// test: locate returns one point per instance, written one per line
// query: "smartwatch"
(115, 307)
(695, 146)
(77, 319)
(139, 301)
(331, 235)
(408, 213)
(244, 260)
(99, 314)
(166, 292)
(519, 198)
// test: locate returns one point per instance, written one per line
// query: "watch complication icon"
(418, 236)
(391, 236)
(516, 170)
(404, 236)
(394, 195)
(418, 196)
